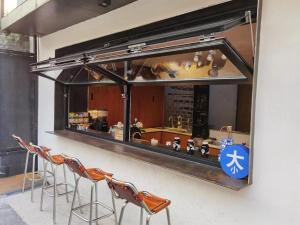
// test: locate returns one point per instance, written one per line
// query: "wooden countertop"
(193, 169)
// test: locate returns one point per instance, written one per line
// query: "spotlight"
(224, 57)
(210, 56)
(104, 3)
(196, 58)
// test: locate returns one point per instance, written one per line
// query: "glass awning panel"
(80, 75)
(191, 59)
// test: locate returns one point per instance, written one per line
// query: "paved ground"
(31, 215)
(8, 216)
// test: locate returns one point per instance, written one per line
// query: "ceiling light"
(209, 57)
(196, 58)
(224, 57)
(104, 3)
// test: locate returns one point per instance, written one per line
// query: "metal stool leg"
(74, 197)
(148, 220)
(91, 205)
(168, 216)
(96, 199)
(44, 184)
(65, 181)
(76, 191)
(122, 212)
(141, 216)
(114, 208)
(33, 173)
(54, 195)
(25, 171)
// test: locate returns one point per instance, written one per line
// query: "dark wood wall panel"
(147, 104)
(244, 105)
(107, 98)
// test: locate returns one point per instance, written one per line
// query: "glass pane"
(55, 74)
(188, 115)
(97, 109)
(198, 65)
(81, 74)
(115, 67)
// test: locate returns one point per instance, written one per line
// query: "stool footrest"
(111, 212)
(58, 193)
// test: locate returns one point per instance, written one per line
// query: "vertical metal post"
(67, 104)
(35, 101)
(127, 107)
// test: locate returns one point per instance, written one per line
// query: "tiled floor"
(31, 215)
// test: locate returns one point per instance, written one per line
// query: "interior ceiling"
(59, 14)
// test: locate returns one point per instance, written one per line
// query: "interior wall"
(222, 106)
(273, 198)
(107, 98)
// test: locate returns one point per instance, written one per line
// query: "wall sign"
(235, 161)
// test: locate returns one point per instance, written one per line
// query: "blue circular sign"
(235, 161)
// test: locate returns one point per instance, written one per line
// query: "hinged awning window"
(159, 59)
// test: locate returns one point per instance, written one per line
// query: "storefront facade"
(195, 201)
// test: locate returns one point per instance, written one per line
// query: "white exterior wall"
(274, 196)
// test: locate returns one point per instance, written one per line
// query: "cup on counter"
(204, 150)
(190, 148)
(176, 144)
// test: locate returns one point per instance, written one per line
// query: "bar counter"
(193, 169)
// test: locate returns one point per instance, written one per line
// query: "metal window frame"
(221, 44)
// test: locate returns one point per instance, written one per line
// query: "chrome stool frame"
(128, 192)
(45, 154)
(30, 152)
(95, 176)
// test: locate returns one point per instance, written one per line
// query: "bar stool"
(55, 161)
(94, 175)
(146, 201)
(30, 152)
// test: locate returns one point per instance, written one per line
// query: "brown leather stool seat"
(152, 204)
